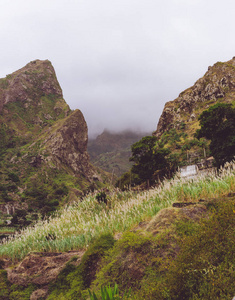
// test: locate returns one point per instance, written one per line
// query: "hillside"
(44, 159)
(111, 151)
(156, 243)
(174, 241)
(179, 120)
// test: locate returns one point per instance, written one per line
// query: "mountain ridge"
(111, 151)
(217, 85)
(41, 140)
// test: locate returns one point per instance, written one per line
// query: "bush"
(204, 268)
(101, 197)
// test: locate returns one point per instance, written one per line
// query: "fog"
(119, 62)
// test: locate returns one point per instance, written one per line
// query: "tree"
(218, 125)
(148, 158)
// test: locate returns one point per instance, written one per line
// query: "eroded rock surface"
(29, 84)
(33, 112)
(66, 143)
(41, 268)
(217, 85)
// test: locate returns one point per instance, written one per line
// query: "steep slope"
(43, 151)
(179, 119)
(31, 98)
(160, 256)
(111, 151)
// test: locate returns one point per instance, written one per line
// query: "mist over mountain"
(150, 243)
(119, 62)
(111, 150)
(44, 159)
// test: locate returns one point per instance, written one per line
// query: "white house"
(188, 171)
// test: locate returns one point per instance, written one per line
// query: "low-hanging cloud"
(118, 61)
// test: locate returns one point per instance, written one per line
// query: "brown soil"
(41, 268)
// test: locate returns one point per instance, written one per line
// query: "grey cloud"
(118, 61)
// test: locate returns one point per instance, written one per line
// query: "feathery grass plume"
(76, 225)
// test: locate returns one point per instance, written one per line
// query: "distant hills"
(176, 127)
(111, 151)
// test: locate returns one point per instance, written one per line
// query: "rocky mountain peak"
(29, 84)
(39, 134)
(31, 98)
(217, 85)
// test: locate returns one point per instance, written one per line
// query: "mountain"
(179, 119)
(173, 241)
(43, 143)
(111, 151)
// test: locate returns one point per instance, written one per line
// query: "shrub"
(204, 267)
(109, 293)
(101, 197)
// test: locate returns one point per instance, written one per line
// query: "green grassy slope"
(162, 252)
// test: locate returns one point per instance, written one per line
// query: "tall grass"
(76, 225)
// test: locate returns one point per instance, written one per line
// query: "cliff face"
(37, 76)
(217, 85)
(32, 105)
(66, 143)
(41, 139)
(31, 98)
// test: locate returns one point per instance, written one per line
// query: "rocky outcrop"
(33, 95)
(217, 85)
(11, 207)
(41, 269)
(44, 136)
(66, 143)
(29, 83)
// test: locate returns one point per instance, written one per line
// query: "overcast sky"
(118, 61)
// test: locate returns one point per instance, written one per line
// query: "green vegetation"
(188, 258)
(158, 158)
(131, 241)
(10, 291)
(8, 139)
(155, 158)
(101, 197)
(108, 293)
(204, 268)
(40, 191)
(175, 254)
(148, 159)
(4, 83)
(218, 125)
(75, 279)
(77, 225)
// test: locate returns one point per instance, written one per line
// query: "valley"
(78, 217)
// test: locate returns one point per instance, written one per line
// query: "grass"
(77, 225)
(7, 229)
